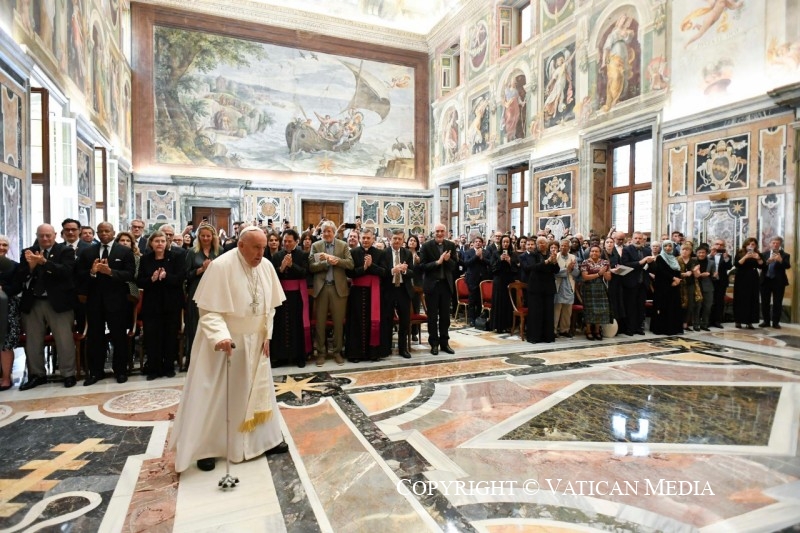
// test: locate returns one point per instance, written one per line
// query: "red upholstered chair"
(577, 310)
(516, 291)
(463, 296)
(486, 295)
(417, 319)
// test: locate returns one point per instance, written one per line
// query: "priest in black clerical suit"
(104, 271)
(438, 262)
(291, 329)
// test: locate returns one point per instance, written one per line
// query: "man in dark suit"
(137, 230)
(329, 261)
(773, 282)
(634, 293)
(476, 269)
(398, 289)
(438, 261)
(46, 275)
(722, 262)
(70, 232)
(104, 271)
(233, 241)
(541, 268)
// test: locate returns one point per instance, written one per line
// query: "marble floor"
(691, 433)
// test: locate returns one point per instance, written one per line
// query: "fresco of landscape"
(232, 103)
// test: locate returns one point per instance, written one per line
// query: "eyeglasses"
(137, 227)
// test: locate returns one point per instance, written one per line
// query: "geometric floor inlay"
(667, 414)
(143, 401)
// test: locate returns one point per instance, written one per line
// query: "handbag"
(133, 292)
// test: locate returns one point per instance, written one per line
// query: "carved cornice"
(293, 19)
(451, 25)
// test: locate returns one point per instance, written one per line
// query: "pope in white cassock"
(237, 298)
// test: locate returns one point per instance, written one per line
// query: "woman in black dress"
(160, 277)
(198, 259)
(412, 243)
(746, 284)
(504, 266)
(667, 316)
(7, 273)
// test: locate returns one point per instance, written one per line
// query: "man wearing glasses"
(137, 230)
(722, 260)
(71, 232)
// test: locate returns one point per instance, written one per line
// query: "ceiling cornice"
(451, 25)
(293, 19)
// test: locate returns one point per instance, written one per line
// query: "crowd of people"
(349, 291)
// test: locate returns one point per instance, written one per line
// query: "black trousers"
(718, 309)
(438, 300)
(633, 299)
(395, 298)
(118, 322)
(540, 325)
(161, 343)
(772, 291)
(474, 305)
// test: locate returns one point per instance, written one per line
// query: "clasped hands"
(158, 275)
(444, 257)
(332, 259)
(100, 266)
(34, 259)
(402, 268)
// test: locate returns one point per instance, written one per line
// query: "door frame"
(188, 203)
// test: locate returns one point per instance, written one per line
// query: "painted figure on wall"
(478, 131)
(449, 136)
(715, 13)
(60, 43)
(43, 18)
(77, 45)
(559, 101)
(514, 107)
(100, 84)
(619, 76)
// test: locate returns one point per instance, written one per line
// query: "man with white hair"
(329, 261)
(237, 297)
(438, 262)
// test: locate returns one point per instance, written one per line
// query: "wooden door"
(313, 212)
(219, 217)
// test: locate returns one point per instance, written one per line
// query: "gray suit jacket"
(320, 268)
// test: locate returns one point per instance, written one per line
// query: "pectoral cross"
(254, 305)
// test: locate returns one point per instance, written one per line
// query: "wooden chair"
(486, 295)
(516, 292)
(417, 319)
(577, 310)
(463, 295)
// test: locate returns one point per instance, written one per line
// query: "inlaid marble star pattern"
(298, 387)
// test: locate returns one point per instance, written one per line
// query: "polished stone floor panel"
(685, 433)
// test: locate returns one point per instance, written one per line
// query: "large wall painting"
(514, 107)
(722, 165)
(449, 135)
(619, 76)
(559, 86)
(478, 127)
(235, 103)
(555, 11)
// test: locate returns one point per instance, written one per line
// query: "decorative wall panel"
(726, 220)
(771, 156)
(771, 218)
(557, 225)
(555, 191)
(722, 165)
(678, 171)
(11, 214)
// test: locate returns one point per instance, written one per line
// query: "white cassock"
(225, 297)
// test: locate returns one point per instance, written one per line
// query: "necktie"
(398, 278)
(104, 255)
(329, 250)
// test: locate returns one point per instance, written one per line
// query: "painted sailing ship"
(341, 134)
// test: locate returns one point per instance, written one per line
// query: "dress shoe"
(434, 350)
(717, 325)
(280, 448)
(416, 339)
(749, 326)
(640, 332)
(776, 326)
(696, 328)
(169, 374)
(320, 360)
(69, 382)
(151, 377)
(90, 380)
(301, 363)
(206, 465)
(122, 378)
(705, 329)
(448, 349)
(738, 326)
(33, 382)
(4, 387)
(404, 353)
(764, 325)
(339, 359)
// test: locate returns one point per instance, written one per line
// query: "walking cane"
(228, 481)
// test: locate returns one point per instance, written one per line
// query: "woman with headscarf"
(667, 316)
(746, 284)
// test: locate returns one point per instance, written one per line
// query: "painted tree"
(180, 56)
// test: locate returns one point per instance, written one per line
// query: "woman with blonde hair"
(198, 258)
